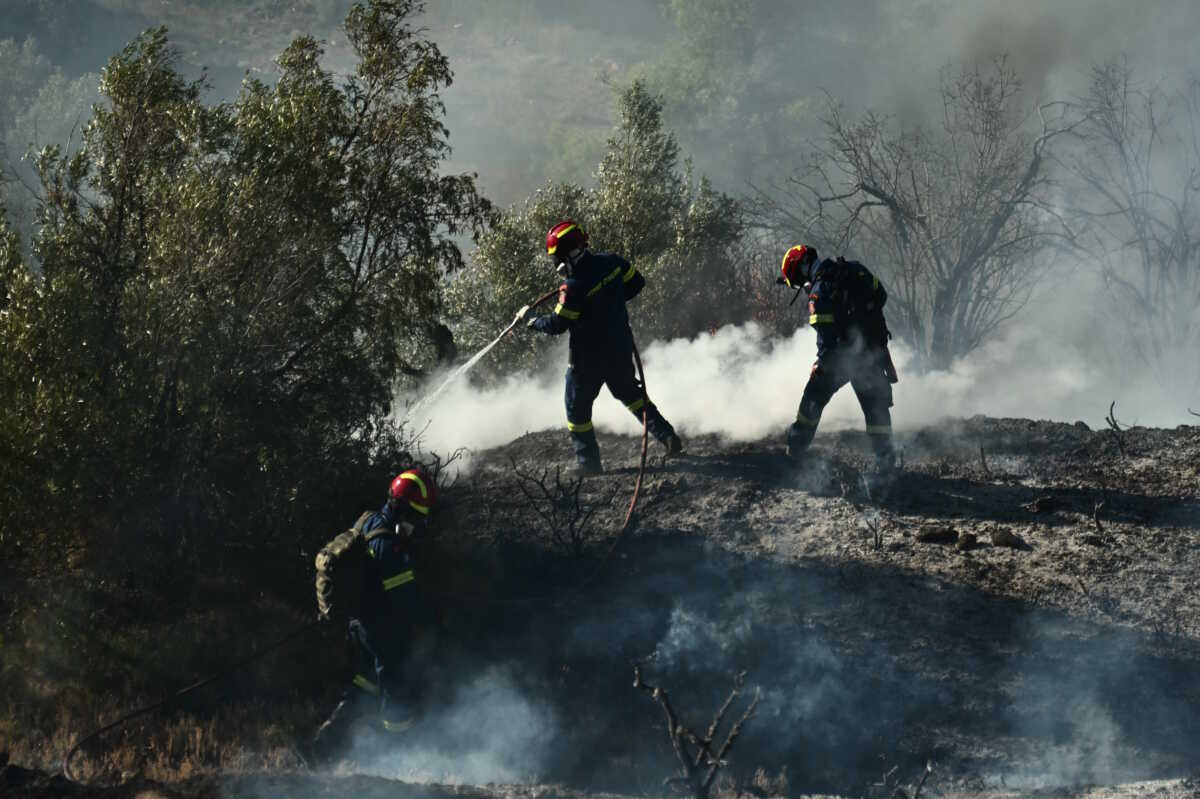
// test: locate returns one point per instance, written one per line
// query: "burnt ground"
(1026, 621)
(1027, 617)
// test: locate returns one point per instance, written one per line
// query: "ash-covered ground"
(1018, 609)
(1018, 606)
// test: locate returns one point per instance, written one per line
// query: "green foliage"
(678, 230)
(639, 188)
(510, 269)
(38, 105)
(206, 350)
(573, 153)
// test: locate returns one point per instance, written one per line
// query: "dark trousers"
(583, 386)
(387, 671)
(864, 371)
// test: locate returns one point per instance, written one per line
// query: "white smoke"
(692, 634)
(742, 385)
(490, 732)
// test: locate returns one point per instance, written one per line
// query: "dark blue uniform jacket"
(392, 601)
(846, 307)
(591, 304)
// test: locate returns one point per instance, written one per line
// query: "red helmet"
(563, 239)
(798, 263)
(416, 488)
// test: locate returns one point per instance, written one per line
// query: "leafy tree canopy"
(646, 206)
(210, 333)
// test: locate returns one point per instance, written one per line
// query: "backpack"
(340, 573)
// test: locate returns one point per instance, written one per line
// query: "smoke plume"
(743, 385)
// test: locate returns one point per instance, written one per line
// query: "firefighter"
(390, 626)
(845, 307)
(591, 304)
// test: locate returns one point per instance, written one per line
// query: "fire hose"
(637, 359)
(297, 632)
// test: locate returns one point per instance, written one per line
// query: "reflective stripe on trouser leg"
(817, 393)
(881, 437)
(656, 424)
(366, 684)
(622, 381)
(875, 397)
(582, 386)
(393, 716)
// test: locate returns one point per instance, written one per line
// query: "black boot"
(798, 439)
(589, 467)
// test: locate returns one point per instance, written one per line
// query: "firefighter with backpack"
(845, 308)
(367, 578)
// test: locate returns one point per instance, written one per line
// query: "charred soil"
(1017, 606)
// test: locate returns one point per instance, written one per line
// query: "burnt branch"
(699, 763)
(1115, 426)
(439, 465)
(954, 214)
(983, 461)
(896, 791)
(557, 502)
(874, 524)
(924, 777)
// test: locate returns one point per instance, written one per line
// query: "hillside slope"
(1024, 619)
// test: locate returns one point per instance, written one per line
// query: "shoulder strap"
(362, 520)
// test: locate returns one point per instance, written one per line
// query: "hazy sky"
(533, 93)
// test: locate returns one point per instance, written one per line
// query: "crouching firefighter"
(367, 580)
(591, 304)
(845, 307)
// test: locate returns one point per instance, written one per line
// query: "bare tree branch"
(952, 218)
(699, 763)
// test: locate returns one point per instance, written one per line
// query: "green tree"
(209, 342)
(508, 269)
(677, 229)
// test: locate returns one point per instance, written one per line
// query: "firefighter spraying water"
(591, 305)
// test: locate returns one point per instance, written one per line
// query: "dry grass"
(79, 652)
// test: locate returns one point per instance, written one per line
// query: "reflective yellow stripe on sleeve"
(581, 427)
(613, 275)
(397, 580)
(821, 319)
(629, 273)
(565, 312)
